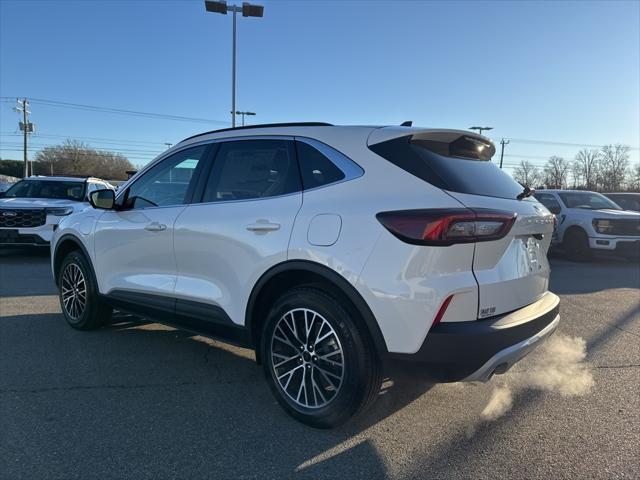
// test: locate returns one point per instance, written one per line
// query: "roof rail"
(69, 175)
(263, 125)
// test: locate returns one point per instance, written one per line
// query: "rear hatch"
(512, 271)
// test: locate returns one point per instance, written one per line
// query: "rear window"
(448, 166)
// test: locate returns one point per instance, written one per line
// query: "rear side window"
(548, 201)
(438, 166)
(251, 169)
(316, 169)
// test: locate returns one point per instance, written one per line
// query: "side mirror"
(103, 199)
(555, 210)
(1, 194)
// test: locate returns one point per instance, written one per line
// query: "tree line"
(607, 169)
(73, 157)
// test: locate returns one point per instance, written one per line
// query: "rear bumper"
(474, 351)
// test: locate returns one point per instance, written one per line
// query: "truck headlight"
(602, 226)
(59, 212)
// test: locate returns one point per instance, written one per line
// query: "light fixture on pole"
(243, 114)
(481, 129)
(248, 10)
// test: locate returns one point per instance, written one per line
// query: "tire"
(576, 246)
(75, 279)
(341, 372)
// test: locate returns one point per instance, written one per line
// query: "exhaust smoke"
(556, 366)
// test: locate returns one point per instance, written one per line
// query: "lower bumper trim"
(502, 361)
(475, 350)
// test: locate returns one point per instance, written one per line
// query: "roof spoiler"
(456, 143)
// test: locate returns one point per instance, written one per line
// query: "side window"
(248, 169)
(168, 182)
(316, 169)
(548, 201)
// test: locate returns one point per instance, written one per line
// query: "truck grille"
(22, 218)
(625, 227)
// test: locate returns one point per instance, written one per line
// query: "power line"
(96, 139)
(118, 150)
(561, 144)
(119, 111)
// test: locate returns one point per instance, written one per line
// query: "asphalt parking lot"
(137, 400)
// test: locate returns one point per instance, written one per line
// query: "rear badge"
(487, 312)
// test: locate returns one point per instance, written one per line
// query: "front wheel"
(318, 360)
(79, 300)
(576, 246)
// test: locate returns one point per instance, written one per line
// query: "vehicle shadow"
(209, 395)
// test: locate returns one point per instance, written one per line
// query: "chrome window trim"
(348, 167)
(194, 204)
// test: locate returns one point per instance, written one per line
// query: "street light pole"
(248, 10)
(233, 73)
(481, 129)
(243, 114)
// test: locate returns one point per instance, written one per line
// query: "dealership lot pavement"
(138, 400)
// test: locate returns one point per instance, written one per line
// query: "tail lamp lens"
(447, 226)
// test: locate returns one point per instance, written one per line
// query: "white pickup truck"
(589, 222)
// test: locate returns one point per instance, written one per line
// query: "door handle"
(263, 226)
(155, 227)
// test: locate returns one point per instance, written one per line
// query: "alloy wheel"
(307, 358)
(74, 291)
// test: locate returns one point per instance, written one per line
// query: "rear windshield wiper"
(527, 192)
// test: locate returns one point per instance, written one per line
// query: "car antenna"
(408, 123)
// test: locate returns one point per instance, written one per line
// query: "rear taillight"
(447, 227)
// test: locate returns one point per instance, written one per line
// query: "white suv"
(335, 252)
(32, 208)
(589, 222)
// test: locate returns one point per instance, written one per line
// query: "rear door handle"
(263, 226)
(155, 227)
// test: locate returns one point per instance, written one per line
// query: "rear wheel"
(576, 245)
(81, 306)
(319, 362)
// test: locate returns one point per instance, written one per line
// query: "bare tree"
(614, 163)
(77, 158)
(585, 168)
(556, 171)
(526, 173)
(634, 178)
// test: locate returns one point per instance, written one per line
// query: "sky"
(540, 73)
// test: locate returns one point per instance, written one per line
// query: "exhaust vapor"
(556, 366)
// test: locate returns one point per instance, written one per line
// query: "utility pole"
(503, 142)
(168, 145)
(26, 127)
